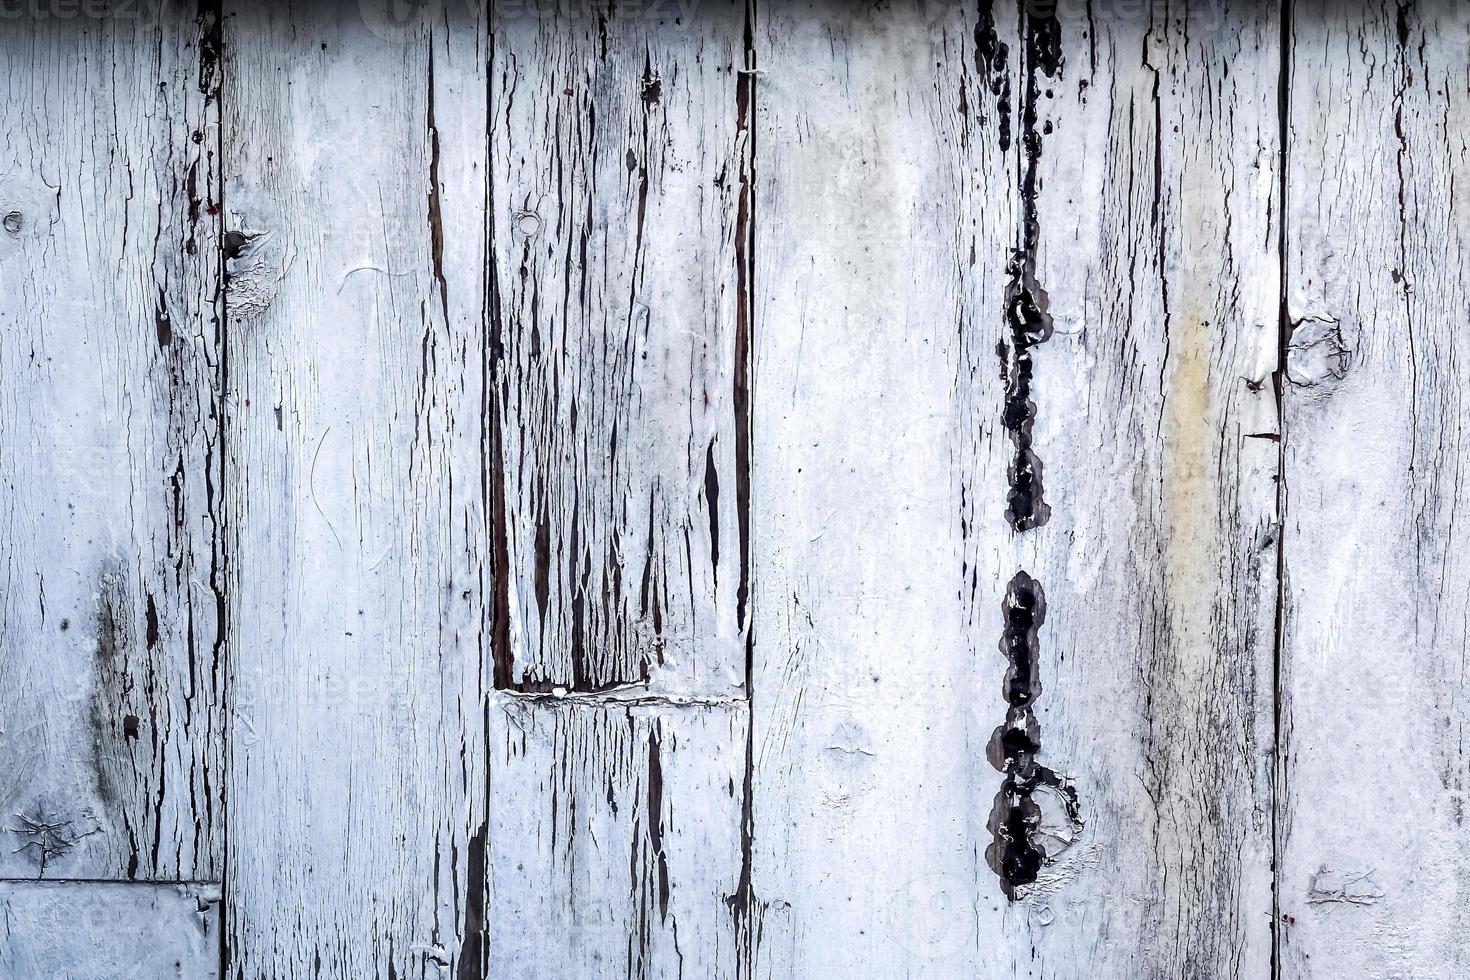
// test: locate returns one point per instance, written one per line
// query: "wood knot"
(1317, 353)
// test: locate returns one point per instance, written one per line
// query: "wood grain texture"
(112, 930)
(871, 789)
(619, 462)
(361, 561)
(616, 148)
(420, 434)
(1372, 839)
(1113, 180)
(787, 490)
(111, 607)
(615, 841)
(1157, 207)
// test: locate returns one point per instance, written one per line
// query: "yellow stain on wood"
(1189, 481)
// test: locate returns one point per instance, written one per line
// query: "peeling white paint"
(549, 492)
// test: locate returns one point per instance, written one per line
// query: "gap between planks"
(1278, 380)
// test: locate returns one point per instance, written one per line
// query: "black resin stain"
(233, 246)
(990, 62)
(210, 21)
(161, 323)
(1027, 322)
(1018, 851)
(152, 620)
(653, 86)
(1027, 326)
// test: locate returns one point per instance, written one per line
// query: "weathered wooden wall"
(733, 489)
(112, 686)
(1374, 862)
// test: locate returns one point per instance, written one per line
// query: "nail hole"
(528, 223)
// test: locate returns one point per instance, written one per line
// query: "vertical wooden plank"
(1373, 859)
(1014, 644)
(355, 197)
(882, 213)
(111, 629)
(619, 480)
(616, 151)
(1156, 181)
(615, 839)
(114, 930)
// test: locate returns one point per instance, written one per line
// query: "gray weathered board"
(734, 488)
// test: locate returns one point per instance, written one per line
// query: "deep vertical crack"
(209, 21)
(472, 961)
(1278, 383)
(742, 901)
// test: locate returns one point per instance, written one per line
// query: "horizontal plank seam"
(110, 881)
(624, 697)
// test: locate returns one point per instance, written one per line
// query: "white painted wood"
(1374, 864)
(404, 401)
(111, 514)
(871, 704)
(602, 525)
(74, 930)
(886, 222)
(1157, 421)
(615, 337)
(615, 839)
(355, 193)
(619, 472)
